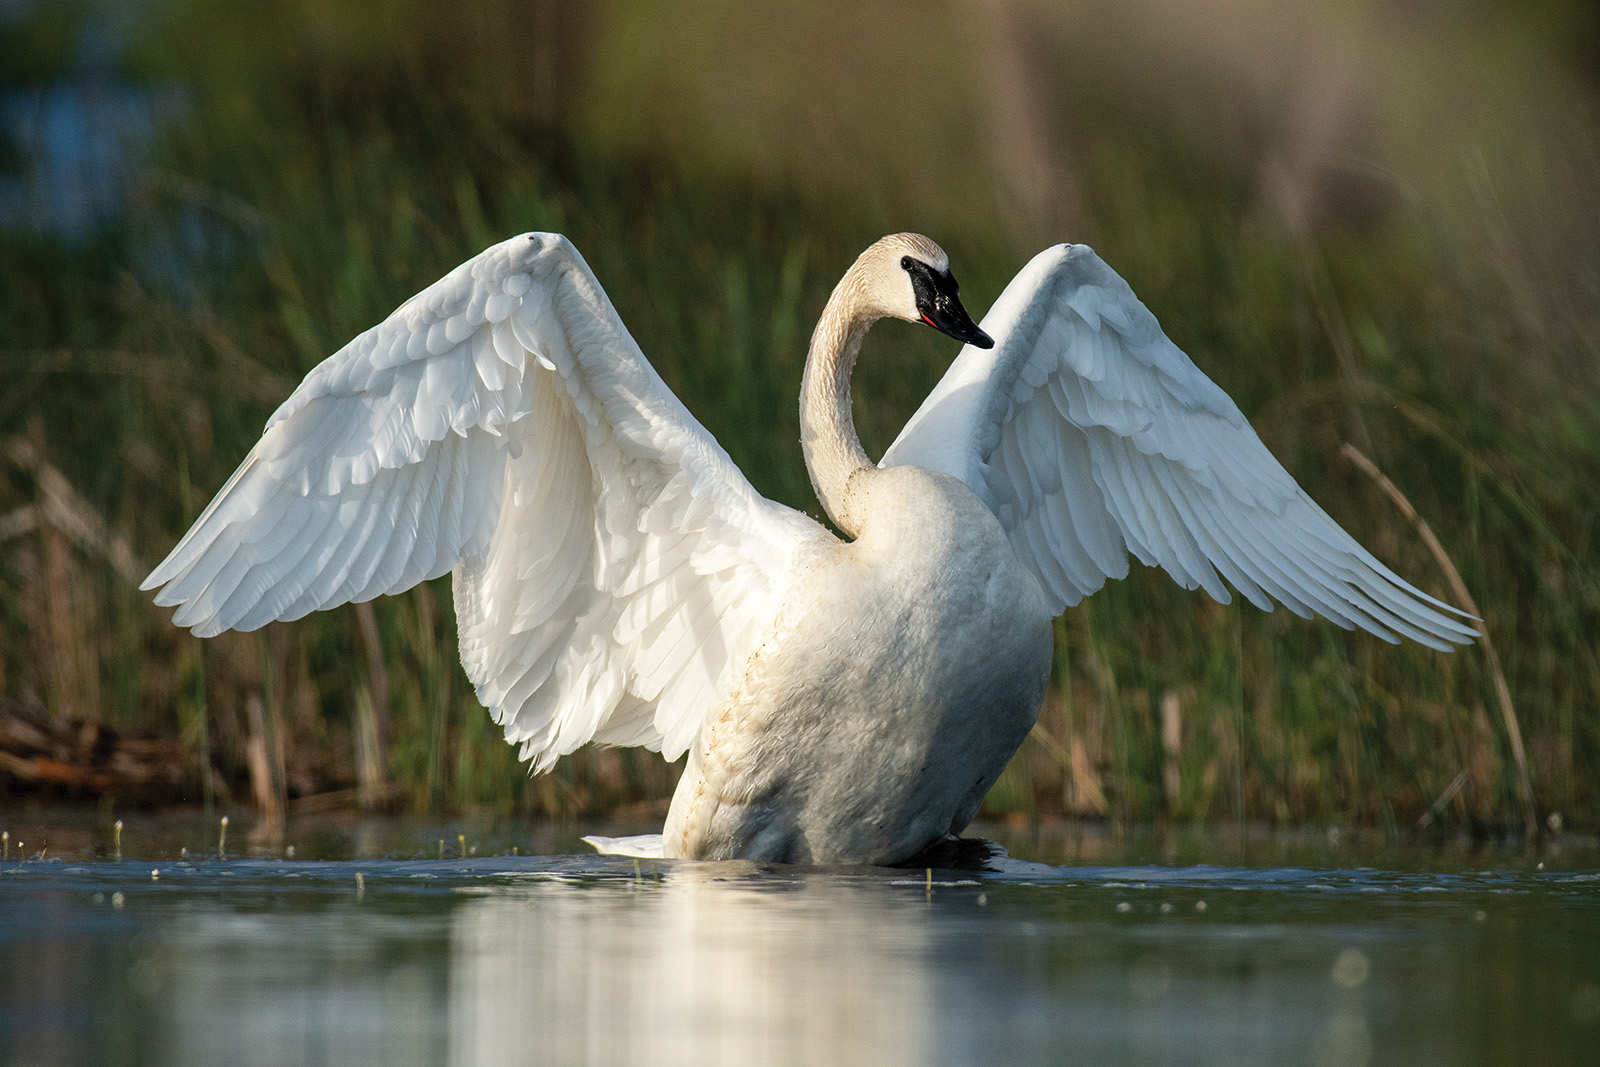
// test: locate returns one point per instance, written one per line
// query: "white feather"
(1182, 480)
(485, 427)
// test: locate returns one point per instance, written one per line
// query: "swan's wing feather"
(609, 558)
(1092, 436)
(640, 846)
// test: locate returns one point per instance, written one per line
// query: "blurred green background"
(1370, 222)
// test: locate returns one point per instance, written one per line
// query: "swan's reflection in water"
(708, 965)
(704, 964)
(573, 960)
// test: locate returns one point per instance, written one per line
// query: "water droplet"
(1351, 969)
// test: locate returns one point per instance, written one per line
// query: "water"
(1436, 957)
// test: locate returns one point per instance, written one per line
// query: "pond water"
(364, 946)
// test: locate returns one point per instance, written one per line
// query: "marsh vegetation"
(1392, 252)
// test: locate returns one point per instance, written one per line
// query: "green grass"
(311, 190)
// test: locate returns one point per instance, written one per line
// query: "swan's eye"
(905, 262)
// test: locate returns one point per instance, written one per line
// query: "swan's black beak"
(939, 305)
(948, 317)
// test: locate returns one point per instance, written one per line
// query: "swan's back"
(886, 698)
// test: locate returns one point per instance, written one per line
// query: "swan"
(841, 699)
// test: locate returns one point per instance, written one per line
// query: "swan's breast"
(902, 673)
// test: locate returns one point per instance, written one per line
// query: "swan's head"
(908, 277)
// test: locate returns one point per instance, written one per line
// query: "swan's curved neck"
(827, 429)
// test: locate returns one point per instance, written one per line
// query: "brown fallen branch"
(1508, 711)
(91, 759)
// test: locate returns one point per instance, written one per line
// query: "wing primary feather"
(1083, 576)
(1171, 542)
(183, 561)
(1271, 567)
(1096, 533)
(362, 540)
(1045, 565)
(1116, 481)
(1165, 485)
(1345, 543)
(409, 556)
(261, 567)
(1196, 510)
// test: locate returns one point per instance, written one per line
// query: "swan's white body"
(901, 673)
(618, 580)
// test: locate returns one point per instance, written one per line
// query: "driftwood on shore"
(63, 755)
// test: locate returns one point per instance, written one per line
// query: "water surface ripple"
(597, 960)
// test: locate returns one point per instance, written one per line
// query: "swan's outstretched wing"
(1091, 435)
(609, 558)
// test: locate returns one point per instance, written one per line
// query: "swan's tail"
(644, 846)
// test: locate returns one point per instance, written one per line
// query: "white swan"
(618, 580)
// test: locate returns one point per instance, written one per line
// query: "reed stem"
(1508, 711)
